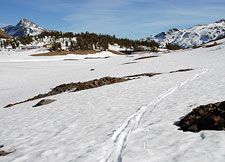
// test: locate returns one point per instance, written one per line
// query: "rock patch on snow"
(181, 70)
(3, 153)
(44, 102)
(73, 87)
(145, 57)
(205, 117)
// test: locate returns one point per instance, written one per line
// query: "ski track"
(118, 141)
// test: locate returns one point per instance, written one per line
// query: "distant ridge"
(193, 36)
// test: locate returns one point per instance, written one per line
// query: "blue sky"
(125, 18)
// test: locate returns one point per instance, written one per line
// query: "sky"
(133, 19)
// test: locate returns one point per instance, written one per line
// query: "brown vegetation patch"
(146, 57)
(181, 70)
(61, 53)
(4, 35)
(205, 117)
(116, 52)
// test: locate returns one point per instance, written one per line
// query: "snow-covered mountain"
(24, 28)
(193, 36)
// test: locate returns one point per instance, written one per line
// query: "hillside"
(4, 35)
(193, 36)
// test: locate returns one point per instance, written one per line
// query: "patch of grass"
(61, 53)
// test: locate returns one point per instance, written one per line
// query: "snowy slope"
(24, 28)
(193, 36)
(125, 122)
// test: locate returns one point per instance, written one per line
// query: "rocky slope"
(24, 28)
(193, 36)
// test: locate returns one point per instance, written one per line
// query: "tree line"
(87, 41)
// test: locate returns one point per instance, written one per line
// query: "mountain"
(24, 28)
(193, 36)
(4, 35)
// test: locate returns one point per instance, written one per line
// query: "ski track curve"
(118, 141)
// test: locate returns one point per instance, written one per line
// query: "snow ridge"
(119, 139)
(193, 36)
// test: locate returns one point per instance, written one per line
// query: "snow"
(193, 36)
(124, 122)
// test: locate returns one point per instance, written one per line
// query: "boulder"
(44, 102)
(205, 117)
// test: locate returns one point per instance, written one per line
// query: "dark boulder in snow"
(205, 117)
(44, 102)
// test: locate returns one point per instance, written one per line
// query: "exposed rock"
(146, 57)
(205, 117)
(181, 70)
(77, 86)
(129, 63)
(73, 87)
(44, 102)
(143, 74)
(193, 128)
(3, 153)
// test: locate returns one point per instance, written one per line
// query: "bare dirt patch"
(62, 53)
(204, 117)
(146, 57)
(116, 52)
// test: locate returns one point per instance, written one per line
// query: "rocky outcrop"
(205, 117)
(74, 87)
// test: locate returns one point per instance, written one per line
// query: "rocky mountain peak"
(23, 28)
